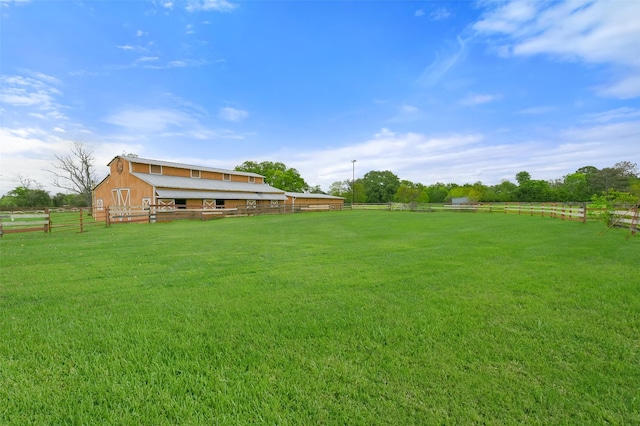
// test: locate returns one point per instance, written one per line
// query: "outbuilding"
(141, 183)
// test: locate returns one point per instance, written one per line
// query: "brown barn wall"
(137, 188)
(140, 168)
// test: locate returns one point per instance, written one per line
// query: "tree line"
(620, 182)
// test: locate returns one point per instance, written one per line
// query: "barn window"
(181, 203)
(251, 204)
(195, 173)
(155, 169)
(226, 176)
(252, 179)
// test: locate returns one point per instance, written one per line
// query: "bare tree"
(74, 172)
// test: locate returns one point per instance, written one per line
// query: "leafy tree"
(477, 191)
(73, 200)
(634, 187)
(409, 192)
(316, 190)
(523, 177)
(75, 172)
(602, 206)
(576, 187)
(619, 177)
(359, 192)
(503, 192)
(534, 191)
(26, 197)
(340, 188)
(380, 187)
(459, 192)
(438, 192)
(276, 174)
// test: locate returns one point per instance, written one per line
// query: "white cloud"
(409, 109)
(8, 2)
(440, 14)
(205, 5)
(232, 114)
(147, 59)
(618, 114)
(590, 31)
(149, 120)
(627, 88)
(471, 157)
(126, 47)
(151, 63)
(30, 152)
(27, 92)
(442, 64)
(479, 99)
(536, 110)
(419, 13)
(140, 33)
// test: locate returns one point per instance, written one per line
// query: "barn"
(140, 182)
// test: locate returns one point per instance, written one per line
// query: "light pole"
(353, 183)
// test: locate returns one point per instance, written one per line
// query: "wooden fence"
(47, 220)
(159, 213)
(629, 218)
(572, 212)
(80, 220)
(24, 221)
(575, 212)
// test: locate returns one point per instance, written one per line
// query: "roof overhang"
(218, 195)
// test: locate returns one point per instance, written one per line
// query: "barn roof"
(161, 182)
(182, 165)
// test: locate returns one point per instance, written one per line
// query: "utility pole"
(353, 183)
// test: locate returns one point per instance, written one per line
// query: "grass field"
(360, 317)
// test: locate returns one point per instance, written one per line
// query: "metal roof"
(219, 195)
(312, 196)
(179, 182)
(182, 166)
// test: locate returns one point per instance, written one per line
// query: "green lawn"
(363, 317)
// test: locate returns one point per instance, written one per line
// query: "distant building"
(460, 200)
(140, 182)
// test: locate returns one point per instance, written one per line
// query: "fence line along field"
(352, 317)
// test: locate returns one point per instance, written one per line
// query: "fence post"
(108, 215)
(47, 227)
(584, 212)
(81, 222)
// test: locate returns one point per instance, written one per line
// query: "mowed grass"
(323, 318)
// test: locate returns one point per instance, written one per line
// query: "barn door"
(121, 203)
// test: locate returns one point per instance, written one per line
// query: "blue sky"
(433, 91)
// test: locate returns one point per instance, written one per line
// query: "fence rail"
(573, 212)
(24, 221)
(80, 220)
(629, 218)
(161, 213)
(47, 220)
